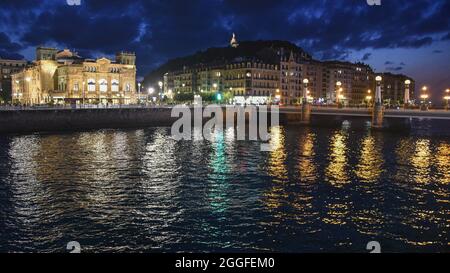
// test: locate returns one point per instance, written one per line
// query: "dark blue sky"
(400, 36)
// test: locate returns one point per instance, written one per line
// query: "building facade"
(7, 68)
(63, 77)
(255, 81)
(356, 81)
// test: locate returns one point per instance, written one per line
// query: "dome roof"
(66, 54)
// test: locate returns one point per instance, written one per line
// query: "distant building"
(63, 77)
(315, 72)
(7, 68)
(356, 80)
(290, 79)
(233, 41)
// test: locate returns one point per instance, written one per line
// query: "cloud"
(366, 57)
(388, 63)
(158, 30)
(392, 68)
(437, 51)
(9, 49)
(446, 37)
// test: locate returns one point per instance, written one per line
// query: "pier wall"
(25, 121)
(55, 120)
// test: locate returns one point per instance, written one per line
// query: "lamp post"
(424, 97)
(151, 90)
(84, 94)
(160, 84)
(447, 98)
(139, 93)
(28, 80)
(378, 109)
(378, 99)
(305, 91)
(406, 99)
(338, 90)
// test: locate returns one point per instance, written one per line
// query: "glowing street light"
(338, 89)
(378, 99)
(406, 98)
(447, 98)
(424, 94)
(424, 97)
(139, 92)
(305, 91)
(84, 93)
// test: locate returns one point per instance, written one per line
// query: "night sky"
(400, 36)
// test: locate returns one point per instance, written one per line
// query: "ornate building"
(291, 79)
(63, 77)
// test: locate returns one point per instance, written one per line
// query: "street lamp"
(447, 98)
(139, 93)
(150, 90)
(424, 97)
(160, 84)
(378, 100)
(84, 83)
(406, 99)
(338, 89)
(305, 91)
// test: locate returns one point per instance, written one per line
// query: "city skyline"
(398, 37)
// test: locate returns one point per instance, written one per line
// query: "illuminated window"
(115, 85)
(103, 85)
(91, 85)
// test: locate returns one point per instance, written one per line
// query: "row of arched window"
(103, 85)
(94, 69)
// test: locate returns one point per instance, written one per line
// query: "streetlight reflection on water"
(142, 190)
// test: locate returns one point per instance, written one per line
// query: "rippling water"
(140, 191)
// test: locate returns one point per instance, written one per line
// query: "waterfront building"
(356, 80)
(63, 77)
(315, 72)
(253, 82)
(278, 78)
(290, 79)
(7, 68)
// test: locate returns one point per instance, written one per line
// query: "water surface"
(319, 190)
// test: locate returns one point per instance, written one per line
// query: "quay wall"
(26, 121)
(56, 120)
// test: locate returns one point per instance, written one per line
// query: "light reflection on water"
(139, 190)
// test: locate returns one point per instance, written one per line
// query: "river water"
(319, 190)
